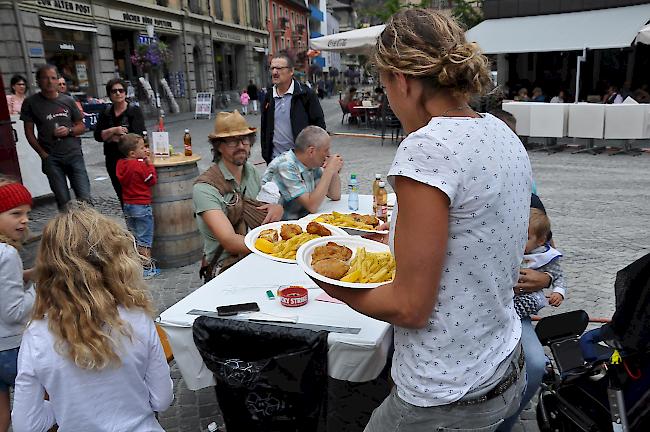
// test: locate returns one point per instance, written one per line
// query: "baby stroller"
(599, 381)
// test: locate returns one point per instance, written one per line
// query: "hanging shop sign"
(67, 6)
(133, 18)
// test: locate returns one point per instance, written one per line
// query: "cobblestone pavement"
(598, 206)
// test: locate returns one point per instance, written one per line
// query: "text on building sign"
(68, 6)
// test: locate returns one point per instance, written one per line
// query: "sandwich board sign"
(203, 105)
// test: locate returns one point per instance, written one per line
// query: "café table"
(351, 357)
(367, 110)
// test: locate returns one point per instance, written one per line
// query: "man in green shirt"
(224, 196)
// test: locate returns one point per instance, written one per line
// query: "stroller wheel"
(550, 416)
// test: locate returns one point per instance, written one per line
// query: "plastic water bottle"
(353, 193)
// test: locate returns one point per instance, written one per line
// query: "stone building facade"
(216, 45)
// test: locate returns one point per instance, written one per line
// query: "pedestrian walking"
(59, 124)
(254, 95)
(17, 296)
(288, 108)
(118, 119)
(244, 98)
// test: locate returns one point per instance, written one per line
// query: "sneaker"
(150, 270)
(150, 273)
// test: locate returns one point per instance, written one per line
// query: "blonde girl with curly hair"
(16, 296)
(463, 185)
(91, 343)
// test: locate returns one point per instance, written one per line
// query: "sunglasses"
(62, 84)
(117, 91)
(278, 68)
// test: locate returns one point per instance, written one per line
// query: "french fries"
(348, 220)
(370, 267)
(287, 248)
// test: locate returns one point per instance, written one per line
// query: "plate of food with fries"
(279, 241)
(352, 262)
(351, 223)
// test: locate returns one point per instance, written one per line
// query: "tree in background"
(371, 12)
(467, 13)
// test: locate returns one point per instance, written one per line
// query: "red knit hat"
(13, 195)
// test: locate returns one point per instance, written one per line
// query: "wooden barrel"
(176, 240)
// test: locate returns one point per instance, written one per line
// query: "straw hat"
(230, 124)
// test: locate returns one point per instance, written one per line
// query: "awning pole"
(579, 61)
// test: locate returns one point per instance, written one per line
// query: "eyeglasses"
(117, 91)
(232, 143)
(278, 68)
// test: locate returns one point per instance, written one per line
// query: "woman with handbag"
(224, 196)
(116, 120)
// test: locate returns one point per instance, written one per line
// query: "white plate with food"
(283, 238)
(353, 223)
(351, 262)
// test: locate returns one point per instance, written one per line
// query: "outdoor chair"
(344, 109)
(389, 121)
(269, 377)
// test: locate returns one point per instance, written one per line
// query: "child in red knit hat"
(16, 297)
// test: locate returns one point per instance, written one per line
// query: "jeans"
(72, 167)
(111, 167)
(535, 367)
(8, 368)
(397, 415)
(139, 220)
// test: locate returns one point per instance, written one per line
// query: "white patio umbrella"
(353, 41)
(643, 36)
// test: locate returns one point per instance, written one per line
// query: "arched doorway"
(198, 69)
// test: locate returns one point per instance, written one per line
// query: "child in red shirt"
(137, 174)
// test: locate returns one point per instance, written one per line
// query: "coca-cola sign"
(340, 43)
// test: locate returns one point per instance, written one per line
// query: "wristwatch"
(70, 132)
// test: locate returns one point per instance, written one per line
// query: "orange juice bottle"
(382, 203)
(187, 142)
(375, 189)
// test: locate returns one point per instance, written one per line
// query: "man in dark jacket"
(287, 109)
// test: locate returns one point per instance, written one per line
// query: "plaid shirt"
(293, 179)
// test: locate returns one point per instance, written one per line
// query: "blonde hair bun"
(430, 46)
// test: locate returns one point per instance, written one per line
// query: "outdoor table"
(367, 110)
(176, 236)
(587, 121)
(351, 357)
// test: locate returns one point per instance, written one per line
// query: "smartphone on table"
(231, 310)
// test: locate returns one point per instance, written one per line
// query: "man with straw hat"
(224, 195)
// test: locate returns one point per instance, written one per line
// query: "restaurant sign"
(67, 6)
(128, 17)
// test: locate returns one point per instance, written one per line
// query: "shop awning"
(69, 25)
(595, 29)
(353, 41)
(644, 35)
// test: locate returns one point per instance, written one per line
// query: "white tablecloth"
(351, 357)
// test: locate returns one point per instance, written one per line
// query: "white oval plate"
(349, 230)
(303, 257)
(252, 235)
